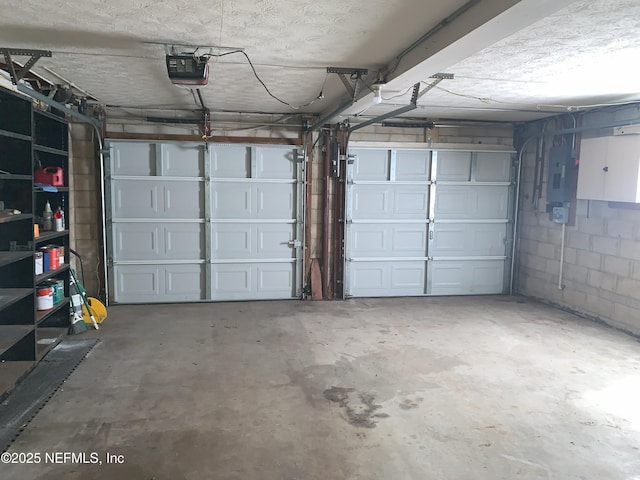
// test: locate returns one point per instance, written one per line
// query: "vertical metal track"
(432, 215)
(208, 225)
(348, 202)
(326, 160)
(307, 211)
(301, 160)
(109, 239)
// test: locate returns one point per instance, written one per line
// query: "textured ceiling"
(576, 55)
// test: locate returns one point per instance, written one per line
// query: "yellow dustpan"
(97, 308)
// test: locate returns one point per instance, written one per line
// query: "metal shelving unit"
(29, 139)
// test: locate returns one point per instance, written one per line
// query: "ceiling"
(512, 60)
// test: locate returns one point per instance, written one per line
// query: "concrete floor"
(377, 389)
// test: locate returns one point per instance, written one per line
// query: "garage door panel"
(184, 283)
(183, 199)
(133, 158)
(471, 202)
(467, 277)
(411, 202)
(231, 282)
(273, 240)
(390, 202)
(137, 241)
(182, 160)
(370, 240)
(493, 167)
(168, 245)
(454, 166)
(231, 241)
(252, 241)
(232, 200)
(412, 165)
(408, 277)
(275, 201)
(150, 241)
(458, 243)
(156, 199)
(369, 201)
(138, 283)
(372, 165)
(135, 200)
(387, 279)
(451, 240)
(275, 279)
(380, 240)
(230, 161)
(183, 241)
(275, 162)
(253, 281)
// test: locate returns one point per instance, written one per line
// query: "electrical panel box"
(610, 169)
(560, 214)
(560, 178)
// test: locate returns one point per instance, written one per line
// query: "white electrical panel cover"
(610, 169)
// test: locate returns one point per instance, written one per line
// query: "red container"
(53, 176)
(54, 257)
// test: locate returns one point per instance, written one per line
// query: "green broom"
(83, 296)
(78, 324)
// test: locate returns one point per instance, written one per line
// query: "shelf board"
(18, 136)
(42, 315)
(11, 373)
(52, 273)
(47, 339)
(50, 115)
(45, 237)
(12, 295)
(15, 218)
(41, 190)
(55, 151)
(12, 334)
(14, 176)
(10, 257)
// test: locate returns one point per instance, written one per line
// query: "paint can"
(59, 291)
(44, 298)
(54, 257)
(38, 263)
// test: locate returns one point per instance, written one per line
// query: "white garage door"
(189, 224)
(423, 222)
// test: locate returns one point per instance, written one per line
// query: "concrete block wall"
(602, 254)
(84, 217)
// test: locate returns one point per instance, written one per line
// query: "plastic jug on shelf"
(47, 217)
(58, 219)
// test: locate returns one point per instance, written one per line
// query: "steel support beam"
(394, 113)
(472, 27)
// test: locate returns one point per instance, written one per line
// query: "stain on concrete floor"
(359, 408)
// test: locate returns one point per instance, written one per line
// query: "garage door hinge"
(294, 243)
(300, 156)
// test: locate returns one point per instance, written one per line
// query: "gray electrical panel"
(560, 214)
(560, 179)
